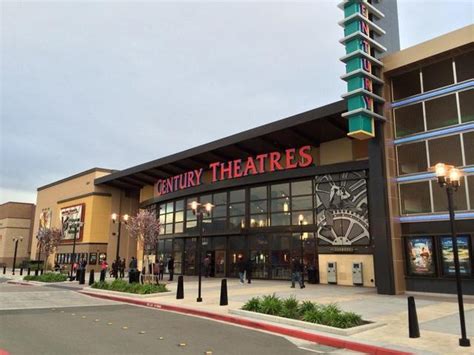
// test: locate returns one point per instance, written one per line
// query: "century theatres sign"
(291, 158)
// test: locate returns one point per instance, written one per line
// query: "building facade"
(16, 222)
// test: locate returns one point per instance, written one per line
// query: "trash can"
(312, 277)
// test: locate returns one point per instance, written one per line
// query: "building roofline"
(17, 203)
(433, 47)
(75, 176)
(300, 118)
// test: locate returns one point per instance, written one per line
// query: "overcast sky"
(114, 84)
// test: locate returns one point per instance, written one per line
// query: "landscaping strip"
(316, 338)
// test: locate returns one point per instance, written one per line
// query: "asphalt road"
(121, 329)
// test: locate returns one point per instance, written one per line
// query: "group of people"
(118, 268)
(157, 269)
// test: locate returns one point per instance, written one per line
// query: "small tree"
(48, 240)
(145, 227)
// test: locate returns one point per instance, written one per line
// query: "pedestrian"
(248, 270)
(103, 269)
(114, 271)
(122, 268)
(171, 268)
(207, 264)
(156, 272)
(296, 273)
(241, 268)
(161, 265)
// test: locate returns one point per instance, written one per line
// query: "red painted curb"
(18, 283)
(320, 339)
(4, 352)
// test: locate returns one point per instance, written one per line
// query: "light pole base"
(464, 342)
(199, 299)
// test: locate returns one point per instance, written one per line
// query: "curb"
(18, 283)
(317, 338)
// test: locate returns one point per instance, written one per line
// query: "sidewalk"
(437, 315)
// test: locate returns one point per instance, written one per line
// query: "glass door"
(219, 264)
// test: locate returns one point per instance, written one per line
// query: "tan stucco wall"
(344, 268)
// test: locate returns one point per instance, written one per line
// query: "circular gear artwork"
(342, 211)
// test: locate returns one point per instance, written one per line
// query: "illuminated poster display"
(420, 256)
(448, 256)
(45, 218)
(69, 217)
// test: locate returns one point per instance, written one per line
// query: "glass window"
(178, 227)
(409, 120)
(470, 186)
(258, 193)
(168, 229)
(405, 85)
(191, 224)
(466, 104)
(468, 139)
(440, 199)
(302, 203)
(301, 188)
(190, 216)
(415, 197)
(179, 216)
(162, 218)
(258, 206)
(441, 112)
(237, 243)
(237, 209)
(169, 218)
(169, 207)
(236, 222)
(179, 206)
(446, 150)
(307, 217)
(464, 66)
(258, 220)
(280, 219)
(219, 211)
(205, 199)
(280, 205)
(237, 196)
(220, 198)
(280, 190)
(411, 158)
(438, 75)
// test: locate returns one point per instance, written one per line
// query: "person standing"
(103, 270)
(171, 267)
(162, 269)
(296, 273)
(241, 269)
(156, 272)
(248, 270)
(122, 268)
(207, 263)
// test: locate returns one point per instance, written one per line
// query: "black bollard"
(28, 271)
(413, 328)
(21, 271)
(41, 271)
(4, 269)
(36, 272)
(91, 277)
(180, 291)
(224, 301)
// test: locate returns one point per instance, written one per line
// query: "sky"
(113, 84)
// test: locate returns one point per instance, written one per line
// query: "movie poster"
(420, 256)
(448, 255)
(71, 217)
(45, 218)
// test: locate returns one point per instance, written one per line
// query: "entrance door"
(212, 259)
(219, 263)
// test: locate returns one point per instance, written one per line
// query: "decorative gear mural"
(342, 209)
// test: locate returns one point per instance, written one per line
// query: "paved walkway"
(437, 315)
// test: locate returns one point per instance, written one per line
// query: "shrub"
(290, 308)
(124, 286)
(252, 304)
(330, 315)
(47, 277)
(271, 305)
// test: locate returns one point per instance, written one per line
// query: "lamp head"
(300, 219)
(114, 217)
(126, 218)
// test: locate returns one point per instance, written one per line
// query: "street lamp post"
(199, 210)
(449, 177)
(115, 218)
(74, 228)
(15, 240)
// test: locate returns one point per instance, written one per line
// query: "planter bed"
(306, 325)
(123, 294)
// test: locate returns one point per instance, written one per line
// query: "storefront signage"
(269, 162)
(363, 69)
(463, 253)
(70, 216)
(420, 256)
